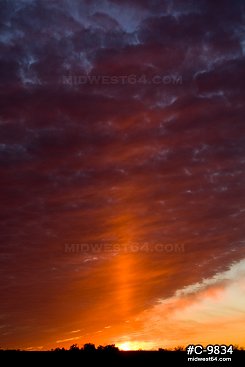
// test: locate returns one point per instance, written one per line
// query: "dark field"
(120, 358)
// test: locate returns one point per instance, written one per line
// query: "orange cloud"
(211, 311)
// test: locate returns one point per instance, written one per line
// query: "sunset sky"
(122, 181)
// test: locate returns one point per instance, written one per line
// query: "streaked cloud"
(151, 162)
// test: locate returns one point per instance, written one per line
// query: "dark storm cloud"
(163, 162)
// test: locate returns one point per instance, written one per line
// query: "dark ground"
(130, 358)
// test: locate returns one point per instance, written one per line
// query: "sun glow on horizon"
(134, 345)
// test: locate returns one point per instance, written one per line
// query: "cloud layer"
(119, 124)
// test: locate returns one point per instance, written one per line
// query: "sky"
(122, 179)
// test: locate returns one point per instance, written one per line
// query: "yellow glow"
(134, 345)
(124, 346)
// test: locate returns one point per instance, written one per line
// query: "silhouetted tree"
(179, 348)
(100, 348)
(111, 348)
(59, 349)
(89, 347)
(74, 348)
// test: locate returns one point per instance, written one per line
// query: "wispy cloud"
(208, 312)
(67, 339)
(144, 149)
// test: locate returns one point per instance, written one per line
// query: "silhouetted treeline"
(89, 347)
(110, 348)
(111, 356)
